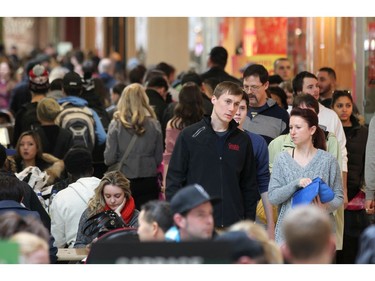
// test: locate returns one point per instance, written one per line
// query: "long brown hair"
(318, 138)
(189, 108)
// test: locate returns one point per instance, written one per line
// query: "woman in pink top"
(188, 110)
(7, 83)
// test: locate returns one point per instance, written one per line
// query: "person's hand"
(346, 201)
(304, 182)
(370, 207)
(316, 201)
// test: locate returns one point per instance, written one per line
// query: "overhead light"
(366, 45)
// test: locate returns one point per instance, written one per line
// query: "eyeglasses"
(253, 88)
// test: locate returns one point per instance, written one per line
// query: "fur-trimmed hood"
(55, 170)
(55, 167)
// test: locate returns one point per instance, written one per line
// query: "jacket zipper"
(222, 190)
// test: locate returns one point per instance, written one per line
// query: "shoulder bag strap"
(128, 149)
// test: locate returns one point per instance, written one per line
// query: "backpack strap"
(71, 109)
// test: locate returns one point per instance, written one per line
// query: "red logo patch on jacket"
(232, 146)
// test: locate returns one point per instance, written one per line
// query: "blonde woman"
(113, 193)
(33, 249)
(257, 232)
(136, 116)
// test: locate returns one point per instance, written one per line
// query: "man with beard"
(265, 117)
(327, 84)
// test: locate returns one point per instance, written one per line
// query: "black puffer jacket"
(356, 139)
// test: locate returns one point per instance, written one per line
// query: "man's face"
(310, 86)
(255, 90)
(325, 83)
(145, 229)
(225, 106)
(284, 69)
(241, 113)
(198, 223)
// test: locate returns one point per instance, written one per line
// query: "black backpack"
(80, 121)
(29, 119)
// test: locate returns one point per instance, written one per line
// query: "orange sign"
(239, 63)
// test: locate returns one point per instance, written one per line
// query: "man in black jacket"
(25, 118)
(217, 61)
(217, 155)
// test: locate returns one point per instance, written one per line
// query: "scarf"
(127, 211)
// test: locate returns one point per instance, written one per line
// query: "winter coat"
(53, 166)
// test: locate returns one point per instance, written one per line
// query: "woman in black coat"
(355, 219)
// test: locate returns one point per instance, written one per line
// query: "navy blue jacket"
(13, 206)
(10, 205)
(225, 169)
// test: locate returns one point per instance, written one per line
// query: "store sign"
(192, 252)
(19, 32)
(239, 63)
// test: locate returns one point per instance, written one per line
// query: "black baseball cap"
(72, 80)
(190, 197)
(241, 245)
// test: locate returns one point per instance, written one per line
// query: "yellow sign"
(240, 63)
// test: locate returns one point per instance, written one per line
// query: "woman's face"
(343, 107)
(28, 149)
(114, 196)
(300, 131)
(289, 98)
(4, 70)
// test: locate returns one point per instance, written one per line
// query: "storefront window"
(369, 65)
